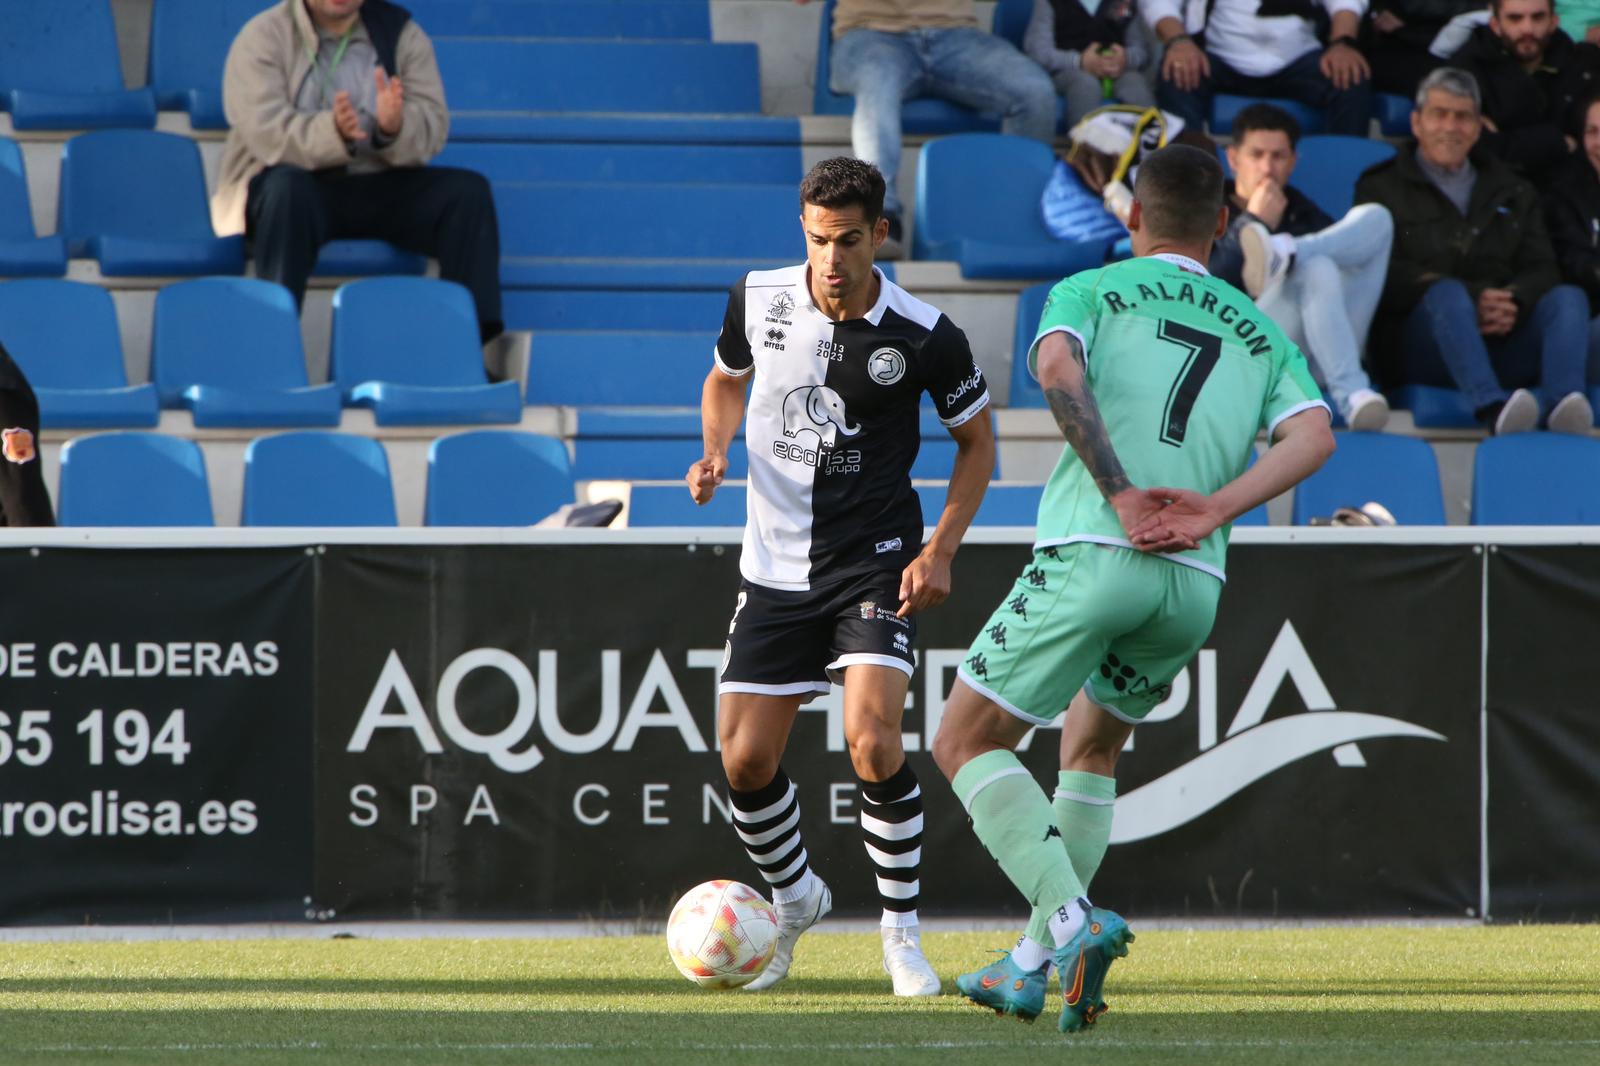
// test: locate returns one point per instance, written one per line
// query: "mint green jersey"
(1186, 371)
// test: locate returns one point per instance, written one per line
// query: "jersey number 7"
(1202, 352)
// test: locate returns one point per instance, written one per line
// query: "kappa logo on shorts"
(979, 665)
(997, 634)
(19, 446)
(1036, 578)
(1019, 605)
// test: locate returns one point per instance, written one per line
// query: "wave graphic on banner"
(1239, 762)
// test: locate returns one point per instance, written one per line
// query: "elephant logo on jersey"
(816, 409)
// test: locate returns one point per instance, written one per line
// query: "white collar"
(1183, 262)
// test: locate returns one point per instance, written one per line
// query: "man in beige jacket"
(335, 108)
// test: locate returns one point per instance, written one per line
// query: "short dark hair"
(1266, 117)
(844, 182)
(1179, 189)
(1494, 6)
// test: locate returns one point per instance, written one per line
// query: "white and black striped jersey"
(831, 425)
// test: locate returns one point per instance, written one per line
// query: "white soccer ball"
(722, 934)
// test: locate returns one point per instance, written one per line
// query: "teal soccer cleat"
(1083, 963)
(1006, 988)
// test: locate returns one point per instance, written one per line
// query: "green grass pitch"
(1390, 995)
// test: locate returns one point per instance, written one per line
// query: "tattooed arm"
(1061, 365)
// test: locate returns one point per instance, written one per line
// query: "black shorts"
(786, 643)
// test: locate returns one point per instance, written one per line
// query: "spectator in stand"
(1474, 299)
(1398, 36)
(1572, 207)
(24, 499)
(335, 107)
(1094, 50)
(1263, 48)
(1318, 279)
(887, 50)
(1533, 82)
(1580, 19)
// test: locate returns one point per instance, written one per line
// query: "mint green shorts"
(1114, 622)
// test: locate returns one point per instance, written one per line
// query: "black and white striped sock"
(891, 824)
(768, 823)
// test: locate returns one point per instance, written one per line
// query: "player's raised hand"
(391, 102)
(1182, 520)
(346, 118)
(704, 477)
(923, 584)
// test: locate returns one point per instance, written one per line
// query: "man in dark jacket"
(1572, 209)
(24, 500)
(1318, 279)
(1473, 299)
(1533, 81)
(1397, 38)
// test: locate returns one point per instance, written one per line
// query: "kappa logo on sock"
(1053, 831)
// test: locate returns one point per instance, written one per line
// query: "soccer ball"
(722, 934)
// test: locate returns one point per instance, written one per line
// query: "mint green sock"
(1083, 806)
(1014, 820)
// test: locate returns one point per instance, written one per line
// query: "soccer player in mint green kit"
(1159, 376)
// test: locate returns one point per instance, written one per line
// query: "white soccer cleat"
(793, 919)
(904, 961)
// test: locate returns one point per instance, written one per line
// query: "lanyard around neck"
(333, 65)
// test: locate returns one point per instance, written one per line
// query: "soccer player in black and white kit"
(833, 563)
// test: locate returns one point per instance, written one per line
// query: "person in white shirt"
(1263, 48)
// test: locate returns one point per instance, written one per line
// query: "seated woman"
(1095, 51)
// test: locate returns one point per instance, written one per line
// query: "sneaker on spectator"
(1266, 260)
(1518, 414)
(1367, 411)
(892, 247)
(1572, 414)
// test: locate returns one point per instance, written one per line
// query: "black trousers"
(441, 212)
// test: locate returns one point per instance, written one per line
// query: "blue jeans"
(1349, 110)
(1326, 301)
(973, 68)
(1547, 352)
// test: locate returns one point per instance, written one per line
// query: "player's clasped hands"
(704, 477)
(1174, 520)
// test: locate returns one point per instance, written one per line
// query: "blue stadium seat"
(315, 478)
(741, 164)
(408, 349)
(619, 368)
(1393, 113)
(64, 336)
(978, 203)
(599, 236)
(1011, 19)
(1399, 472)
(59, 68)
(603, 128)
(922, 114)
(1432, 407)
(1329, 166)
(1536, 479)
(487, 75)
(671, 505)
(189, 42)
(646, 458)
(229, 350)
(650, 19)
(23, 253)
(1225, 106)
(496, 478)
(1003, 505)
(366, 258)
(133, 479)
(1025, 391)
(1256, 516)
(136, 201)
(557, 309)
